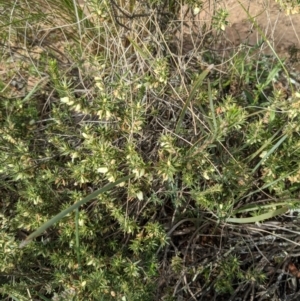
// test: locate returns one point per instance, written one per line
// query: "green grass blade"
(16, 22)
(258, 218)
(142, 53)
(269, 152)
(197, 84)
(14, 298)
(77, 238)
(63, 213)
(265, 145)
(273, 74)
(38, 86)
(255, 207)
(43, 297)
(289, 202)
(211, 103)
(77, 19)
(267, 185)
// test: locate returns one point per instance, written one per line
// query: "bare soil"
(281, 30)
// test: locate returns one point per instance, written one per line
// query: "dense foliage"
(92, 94)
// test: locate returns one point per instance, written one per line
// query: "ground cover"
(159, 165)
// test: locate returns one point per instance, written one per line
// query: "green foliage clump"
(201, 151)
